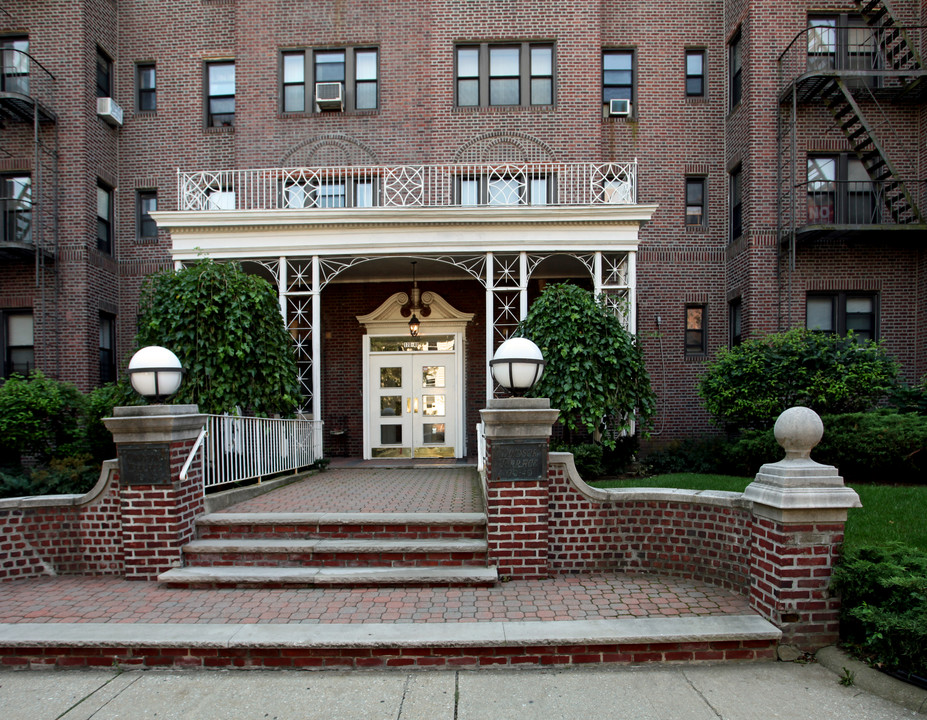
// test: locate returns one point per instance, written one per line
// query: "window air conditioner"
(109, 111)
(329, 96)
(619, 108)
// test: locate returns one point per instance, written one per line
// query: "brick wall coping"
(718, 498)
(154, 423)
(107, 473)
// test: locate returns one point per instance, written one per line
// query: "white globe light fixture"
(517, 365)
(155, 373)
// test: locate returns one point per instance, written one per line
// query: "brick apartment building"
(716, 169)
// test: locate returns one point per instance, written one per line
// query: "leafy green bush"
(702, 455)
(39, 417)
(595, 368)
(225, 327)
(62, 476)
(883, 595)
(100, 404)
(750, 385)
(910, 398)
(587, 458)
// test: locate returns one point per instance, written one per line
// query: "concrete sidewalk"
(754, 691)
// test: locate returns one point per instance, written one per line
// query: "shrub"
(704, 455)
(62, 476)
(587, 458)
(39, 417)
(750, 385)
(100, 404)
(910, 398)
(883, 612)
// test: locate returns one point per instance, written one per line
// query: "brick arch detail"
(330, 149)
(508, 146)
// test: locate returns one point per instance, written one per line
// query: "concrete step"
(327, 552)
(271, 577)
(358, 526)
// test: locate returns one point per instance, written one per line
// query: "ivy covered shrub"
(225, 327)
(750, 385)
(595, 367)
(883, 595)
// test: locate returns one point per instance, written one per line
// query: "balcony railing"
(457, 185)
(15, 221)
(25, 85)
(842, 203)
(873, 57)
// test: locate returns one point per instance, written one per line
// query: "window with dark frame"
(107, 348)
(220, 98)
(617, 75)
(735, 322)
(501, 75)
(841, 312)
(331, 193)
(840, 191)
(146, 93)
(14, 52)
(104, 219)
(146, 203)
(104, 74)
(735, 67)
(695, 202)
(843, 42)
(514, 189)
(355, 69)
(16, 208)
(737, 213)
(18, 340)
(696, 335)
(695, 73)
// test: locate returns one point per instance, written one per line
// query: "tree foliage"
(595, 368)
(226, 328)
(750, 385)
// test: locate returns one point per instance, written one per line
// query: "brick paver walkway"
(422, 489)
(575, 597)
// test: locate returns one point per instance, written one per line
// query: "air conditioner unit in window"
(619, 108)
(109, 111)
(329, 96)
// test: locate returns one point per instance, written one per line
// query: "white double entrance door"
(413, 401)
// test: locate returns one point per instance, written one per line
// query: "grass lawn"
(889, 514)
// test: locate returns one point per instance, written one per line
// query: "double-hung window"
(842, 42)
(696, 331)
(107, 348)
(331, 192)
(841, 312)
(146, 227)
(104, 219)
(695, 202)
(505, 189)
(840, 192)
(146, 90)
(617, 75)
(104, 74)
(516, 74)
(355, 70)
(695, 73)
(735, 322)
(15, 57)
(220, 98)
(16, 200)
(737, 209)
(735, 68)
(18, 339)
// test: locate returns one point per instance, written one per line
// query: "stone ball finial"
(798, 430)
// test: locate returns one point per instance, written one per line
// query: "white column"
(490, 325)
(632, 291)
(281, 286)
(523, 284)
(597, 273)
(316, 342)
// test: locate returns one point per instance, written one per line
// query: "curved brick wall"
(676, 532)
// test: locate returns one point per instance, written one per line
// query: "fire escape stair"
(895, 48)
(849, 118)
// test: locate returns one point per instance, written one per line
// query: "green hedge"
(883, 594)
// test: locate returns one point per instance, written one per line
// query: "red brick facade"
(671, 135)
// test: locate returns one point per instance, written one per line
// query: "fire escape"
(29, 178)
(860, 68)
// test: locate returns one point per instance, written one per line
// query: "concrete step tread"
(330, 575)
(704, 629)
(386, 545)
(330, 518)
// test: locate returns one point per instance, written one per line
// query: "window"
(330, 193)
(107, 348)
(221, 94)
(15, 77)
(18, 342)
(16, 201)
(696, 337)
(104, 74)
(146, 92)
(841, 312)
(104, 219)
(617, 75)
(505, 189)
(737, 227)
(842, 42)
(517, 74)
(695, 202)
(735, 63)
(695, 73)
(356, 70)
(146, 203)
(840, 192)
(735, 321)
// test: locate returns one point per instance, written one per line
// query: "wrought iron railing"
(247, 448)
(461, 185)
(831, 202)
(24, 76)
(884, 53)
